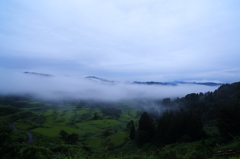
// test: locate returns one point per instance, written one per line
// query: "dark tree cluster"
(171, 127)
(179, 126)
(68, 138)
(166, 101)
(132, 132)
(7, 148)
(229, 119)
(146, 129)
(5, 110)
(111, 111)
(22, 115)
(185, 124)
(18, 101)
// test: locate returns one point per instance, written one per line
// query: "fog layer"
(81, 88)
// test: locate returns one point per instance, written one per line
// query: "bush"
(37, 152)
(168, 155)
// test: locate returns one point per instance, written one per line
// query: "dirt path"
(13, 126)
(29, 134)
(30, 138)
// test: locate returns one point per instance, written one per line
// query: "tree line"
(185, 124)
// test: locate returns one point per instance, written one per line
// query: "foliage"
(132, 131)
(146, 129)
(166, 101)
(111, 111)
(6, 110)
(69, 138)
(229, 120)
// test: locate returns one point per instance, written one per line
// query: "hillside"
(194, 126)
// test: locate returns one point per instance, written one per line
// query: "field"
(102, 130)
(94, 128)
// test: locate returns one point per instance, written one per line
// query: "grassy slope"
(79, 121)
(90, 132)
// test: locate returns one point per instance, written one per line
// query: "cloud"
(165, 38)
(80, 88)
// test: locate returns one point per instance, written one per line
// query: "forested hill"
(220, 108)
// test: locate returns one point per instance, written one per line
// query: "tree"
(63, 134)
(96, 116)
(72, 139)
(8, 148)
(144, 122)
(179, 126)
(229, 120)
(35, 151)
(132, 131)
(166, 101)
(146, 129)
(68, 138)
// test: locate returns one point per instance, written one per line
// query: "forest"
(197, 126)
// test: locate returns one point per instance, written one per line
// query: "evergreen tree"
(132, 132)
(146, 129)
(229, 120)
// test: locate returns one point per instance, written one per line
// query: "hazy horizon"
(60, 87)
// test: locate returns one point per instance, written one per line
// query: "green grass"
(57, 120)
(23, 126)
(34, 103)
(20, 136)
(81, 112)
(5, 117)
(133, 113)
(118, 138)
(68, 115)
(212, 131)
(104, 123)
(49, 122)
(94, 142)
(92, 133)
(79, 121)
(86, 128)
(48, 112)
(230, 146)
(54, 131)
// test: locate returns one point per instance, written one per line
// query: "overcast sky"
(159, 40)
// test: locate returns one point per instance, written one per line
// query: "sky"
(128, 40)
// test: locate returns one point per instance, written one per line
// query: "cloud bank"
(80, 88)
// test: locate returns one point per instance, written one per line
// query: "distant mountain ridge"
(175, 83)
(39, 74)
(154, 83)
(99, 79)
(203, 83)
(158, 83)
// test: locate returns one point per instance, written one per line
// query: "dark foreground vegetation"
(192, 127)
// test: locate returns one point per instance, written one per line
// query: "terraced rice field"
(81, 121)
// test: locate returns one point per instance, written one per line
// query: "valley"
(194, 126)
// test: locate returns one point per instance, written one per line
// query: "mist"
(58, 87)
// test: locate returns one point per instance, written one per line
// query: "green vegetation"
(195, 126)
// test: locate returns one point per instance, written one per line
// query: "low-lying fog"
(81, 88)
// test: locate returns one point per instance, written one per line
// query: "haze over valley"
(119, 79)
(56, 87)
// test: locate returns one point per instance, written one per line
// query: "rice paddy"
(93, 127)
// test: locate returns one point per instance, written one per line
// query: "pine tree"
(146, 129)
(132, 132)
